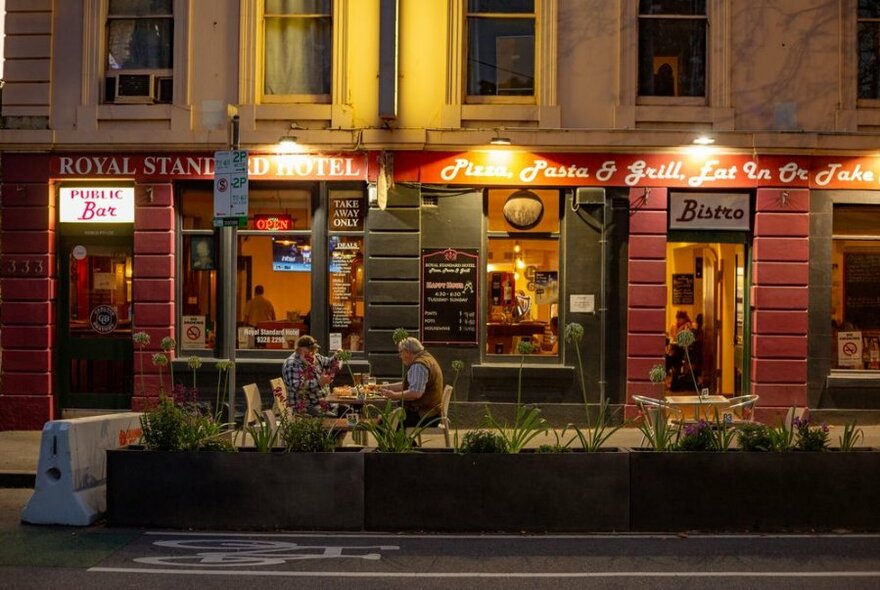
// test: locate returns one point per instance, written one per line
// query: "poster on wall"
(861, 286)
(450, 281)
(546, 287)
(682, 289)
(849, 349)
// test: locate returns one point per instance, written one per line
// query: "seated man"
(422, 385)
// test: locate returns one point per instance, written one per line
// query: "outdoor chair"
(253, 404)
(653, 409)
(279, 403)
(742, 409)
(443, 424)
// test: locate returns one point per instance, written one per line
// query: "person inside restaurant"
(258, 309)
(678, 370)
(308, 375)
(422, 387)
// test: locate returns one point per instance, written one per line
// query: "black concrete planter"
(739, 491)
(245, 490)
(493, 492)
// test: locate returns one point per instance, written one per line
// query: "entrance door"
(94, 322)
(705, 280)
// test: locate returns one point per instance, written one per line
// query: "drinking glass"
(357, 378)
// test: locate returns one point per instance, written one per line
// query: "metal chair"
(742, 409)
(443, 424)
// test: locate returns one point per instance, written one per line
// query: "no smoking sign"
(193, 331)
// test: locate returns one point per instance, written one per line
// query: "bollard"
(71, 482)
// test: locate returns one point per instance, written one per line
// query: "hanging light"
(499, 139)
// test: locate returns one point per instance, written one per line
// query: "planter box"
(738, 491)
(245, 490)
(488, 492)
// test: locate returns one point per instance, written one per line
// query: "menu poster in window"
(861, 288)
(682, 289)
(546, 287)
(344, 254)
(449, 296)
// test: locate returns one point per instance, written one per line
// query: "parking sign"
(230, 184)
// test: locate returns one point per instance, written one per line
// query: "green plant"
(781, 436)
(527, 421)
(482, 441)
(263, 435)
(194, 363)
(223, 367)
(810, 437)
(755, 437)
(657, 432)
(591, 439)
(306, 434)
(180, 425)
(457, 367)
(723, 432)
(697, 437)
(142, 339)
(386, 425)
(850, 437)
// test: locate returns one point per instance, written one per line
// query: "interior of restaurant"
(706, 282)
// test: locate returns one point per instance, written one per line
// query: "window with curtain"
(672, 47)
(869, 48)
(501, 47)
(140, 34)
(298, 41)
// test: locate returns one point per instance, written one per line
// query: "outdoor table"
(694, 407)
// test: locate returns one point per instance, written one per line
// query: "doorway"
(95, 322)
(706, 279)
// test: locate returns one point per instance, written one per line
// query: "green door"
(94, 322)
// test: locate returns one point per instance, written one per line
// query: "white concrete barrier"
(71, 482)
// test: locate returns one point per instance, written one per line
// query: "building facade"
(481, 173)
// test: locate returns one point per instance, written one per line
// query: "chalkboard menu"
(861, 289)
(682, 289)
(450, 280)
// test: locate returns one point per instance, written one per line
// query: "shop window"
(522, 271)
(500, 48)
(277, 268)
(139, 52)
(869, 49)
(672, 48)
(855, 287)
(298, 49)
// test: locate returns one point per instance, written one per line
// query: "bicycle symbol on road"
(252, 552)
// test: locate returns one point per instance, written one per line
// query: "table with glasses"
(347, 396)
(695, 407)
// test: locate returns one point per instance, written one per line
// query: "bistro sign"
(712, 211)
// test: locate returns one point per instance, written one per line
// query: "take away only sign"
(230, 184)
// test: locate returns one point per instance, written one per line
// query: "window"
(298, 44)
(140, 44)
(869, 49)
(672, 47)
(501, 48)
(283, 259)
(522, 271)
(855, 287)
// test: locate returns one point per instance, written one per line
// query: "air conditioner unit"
(135, 89)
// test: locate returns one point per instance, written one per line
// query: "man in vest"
(422, 387)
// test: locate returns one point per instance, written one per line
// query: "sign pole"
(229, 253)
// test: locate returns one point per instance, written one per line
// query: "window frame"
(873, 102)
(265, 98)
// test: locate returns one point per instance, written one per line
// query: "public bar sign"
(709, 211)
(96, 204)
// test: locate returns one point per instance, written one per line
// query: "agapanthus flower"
(399, 334)
(194, 362)
(141, 338)
(167, 343)
(225, 365)
(457, 365)
(525, 347)
(685, 338)
(574, 332)
(657, 374)
(160, 360)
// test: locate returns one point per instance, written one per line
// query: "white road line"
(524, 536)
(549, 575)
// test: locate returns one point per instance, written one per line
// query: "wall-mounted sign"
(710, 211)
(95, 204)
(682, 289)
(449, 296)
(193, 332)
(275, 222)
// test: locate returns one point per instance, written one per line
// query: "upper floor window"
(140, 35)
(140, 48)
(869, 48)
(298, 45)
(501, 48)
(672, 47)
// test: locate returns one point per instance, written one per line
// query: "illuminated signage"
(712, 211)
(91, 204)
(273, 222)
